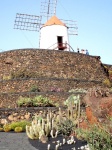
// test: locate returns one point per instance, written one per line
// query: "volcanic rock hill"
(22, 69)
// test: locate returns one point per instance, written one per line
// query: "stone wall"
(46, 69)
(51, 63)
(45, 84)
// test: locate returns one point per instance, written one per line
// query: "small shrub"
(38, 101)
(107, 82)
(18, 74)
(66, 127)
(41, 101)
(7, 128)
(34, 88)
(97, 138)
(21, 124)
(18, 129)
(23, 73)
(24, 101)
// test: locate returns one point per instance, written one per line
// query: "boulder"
(100, 105)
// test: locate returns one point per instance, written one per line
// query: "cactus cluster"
(78, 90)
(99, 92)
(41, 129)
(66, 127)
(7, 128)
(73, 104)
(39, 101)
(18, 129)
(73, 108)
(72, 99)
(21, 124)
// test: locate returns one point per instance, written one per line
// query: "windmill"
(54, 33)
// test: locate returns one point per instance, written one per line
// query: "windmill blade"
(27, 22)
(48, 8)
(72, 26)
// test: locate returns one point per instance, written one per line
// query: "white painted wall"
(48, 36)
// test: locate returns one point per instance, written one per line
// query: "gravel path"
(12, 141)
(20, 141)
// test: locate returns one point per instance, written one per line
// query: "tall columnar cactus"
(30, 132)
(72, 102)
(60, 115)
(42, 127)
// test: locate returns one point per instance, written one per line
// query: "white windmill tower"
(54, 33)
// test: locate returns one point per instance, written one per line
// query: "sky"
(94, 21)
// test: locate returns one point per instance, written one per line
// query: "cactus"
(7, 128)
(18, 129)
(72, 99)
(30, 133)
(48, 147)
(79, 90)
(60, 115)
(40, 128)
(56, 147)
(66, 127)
(72, 102)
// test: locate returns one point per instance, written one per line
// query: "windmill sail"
(72, 26)
(34, 23)
(27, 22)
(48, 8)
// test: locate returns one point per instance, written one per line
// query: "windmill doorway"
(60, 42)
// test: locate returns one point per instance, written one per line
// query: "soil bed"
(53, 142)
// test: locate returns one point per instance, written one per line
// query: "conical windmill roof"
(54, 21)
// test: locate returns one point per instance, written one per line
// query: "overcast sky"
(94, 20)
